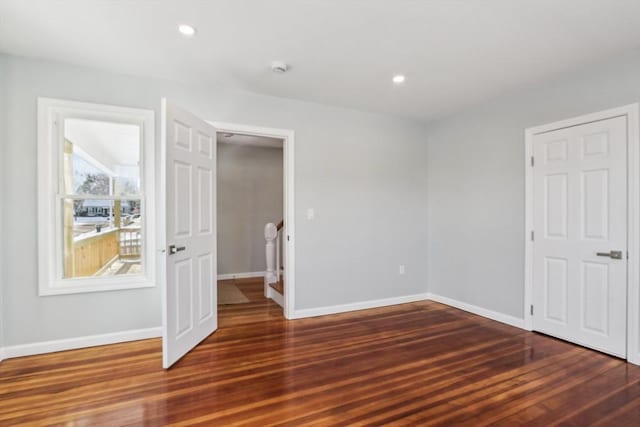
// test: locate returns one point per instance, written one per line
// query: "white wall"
(3, 111)
(475, 167)
(249, 196)
(363, 173)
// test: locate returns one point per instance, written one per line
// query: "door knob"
(173, 249)
(612, 254)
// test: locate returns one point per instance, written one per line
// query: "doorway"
(288, 241)
(581, 229)
(250, 204)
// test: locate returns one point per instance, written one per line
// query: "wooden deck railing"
(94, 251)
(130, 241)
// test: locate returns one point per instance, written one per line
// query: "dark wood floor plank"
(619, 408)
(576, 400)
(464, 392)
(414, 364)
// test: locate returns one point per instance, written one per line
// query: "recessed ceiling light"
(187, 30)
(398, 78)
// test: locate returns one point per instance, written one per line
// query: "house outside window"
(95, 192)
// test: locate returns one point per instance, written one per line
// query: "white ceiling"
(454, 53)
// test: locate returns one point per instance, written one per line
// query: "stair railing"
(280, 228)
(272, 235)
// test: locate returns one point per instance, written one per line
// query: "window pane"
(127, 181)
(101, 237)
(101, 158)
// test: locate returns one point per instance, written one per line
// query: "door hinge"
(532, 309)
(288, 238)
(532, 162)
(532, 236)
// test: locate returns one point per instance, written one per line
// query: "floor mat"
(228, 293)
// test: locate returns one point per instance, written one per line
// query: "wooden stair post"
(270, 234)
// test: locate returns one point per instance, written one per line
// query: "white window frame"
(52, 112)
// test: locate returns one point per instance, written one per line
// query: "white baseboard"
(80, 342)
(140, 334)
(333, 309)
(241, 275)
(275, 296)
(489, 314)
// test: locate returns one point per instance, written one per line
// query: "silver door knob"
(612, 254)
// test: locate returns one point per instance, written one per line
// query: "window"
(95, 193)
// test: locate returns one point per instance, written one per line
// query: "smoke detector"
(279, 67)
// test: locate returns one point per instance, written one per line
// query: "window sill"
(81, 286)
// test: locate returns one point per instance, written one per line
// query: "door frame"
(631, 112)
(288, 136)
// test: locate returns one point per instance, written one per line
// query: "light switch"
(311, 214)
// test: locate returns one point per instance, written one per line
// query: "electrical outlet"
(311, 214)
(401, 269)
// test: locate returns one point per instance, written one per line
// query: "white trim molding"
(364, 305)
(249, 275)
(288, 137)
(489, 314)
(80, 342)
(275, 296)
(631, 112)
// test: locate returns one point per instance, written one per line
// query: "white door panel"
(190, 296)
(580, 210)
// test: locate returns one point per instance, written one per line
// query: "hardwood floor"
(259, 309)
(412, 364)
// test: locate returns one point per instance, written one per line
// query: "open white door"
(189, 306)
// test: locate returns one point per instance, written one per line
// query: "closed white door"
(580, 241)
(190, 291)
